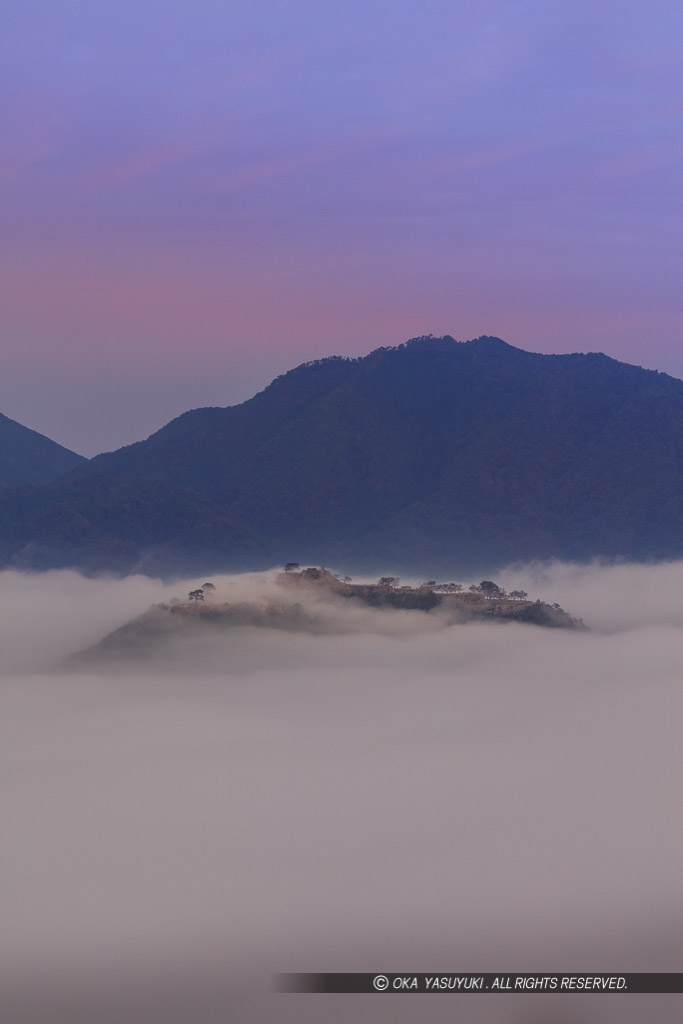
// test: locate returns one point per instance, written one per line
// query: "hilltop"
(312, 600)
(483, 601)
(437, 456)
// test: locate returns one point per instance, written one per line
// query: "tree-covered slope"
(432, 454)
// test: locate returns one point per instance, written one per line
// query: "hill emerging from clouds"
(433, 456)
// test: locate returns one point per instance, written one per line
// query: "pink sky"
(197, 197)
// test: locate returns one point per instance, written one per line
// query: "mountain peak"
(492, 342)
(436, 455)
(27, 457)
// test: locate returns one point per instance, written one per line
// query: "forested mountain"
(27, 457)
(435, 455)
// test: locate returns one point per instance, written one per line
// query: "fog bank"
(407, 796)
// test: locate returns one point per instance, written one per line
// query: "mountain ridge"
(29, 457)
(432, 453)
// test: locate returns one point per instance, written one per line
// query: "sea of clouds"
(392, 793)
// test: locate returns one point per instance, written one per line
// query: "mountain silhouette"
(27, 457)
(434, 456)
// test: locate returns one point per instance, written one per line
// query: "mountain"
(27, 457)
(435, 456)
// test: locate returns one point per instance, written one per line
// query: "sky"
(196, 197)
(381, 791)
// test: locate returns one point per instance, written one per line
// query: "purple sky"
(197, 196)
